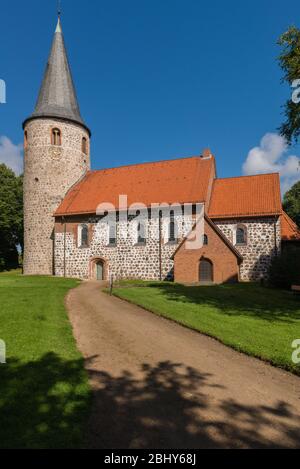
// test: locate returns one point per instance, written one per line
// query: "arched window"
(206, 271)
(83, 236)
(25, 139)
(241, 237)
(56, 137)
(205, 240)
(141, 232)
(172, 229)
(84, 146)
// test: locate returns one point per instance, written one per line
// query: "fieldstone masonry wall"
(50, 171)
(129, 260)
(125, 260)
(263, 235)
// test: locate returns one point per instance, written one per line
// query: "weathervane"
(59, 8)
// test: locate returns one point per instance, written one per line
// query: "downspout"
(65, 233)
(275, 236)
(160, 247)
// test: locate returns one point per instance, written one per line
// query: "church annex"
(66, 234)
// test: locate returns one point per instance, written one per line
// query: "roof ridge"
(247, 176)
(152, 162)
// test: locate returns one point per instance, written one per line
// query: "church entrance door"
(100, 271)
(206, 271)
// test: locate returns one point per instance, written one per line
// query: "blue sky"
(158, 79)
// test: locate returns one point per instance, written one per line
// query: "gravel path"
(159, 385)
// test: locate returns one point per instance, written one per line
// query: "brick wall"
(225, 263)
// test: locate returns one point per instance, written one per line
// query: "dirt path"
(159, 385)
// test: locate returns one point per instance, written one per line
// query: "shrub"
(285, 268)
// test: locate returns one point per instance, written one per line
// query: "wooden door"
(99, 270)
(206, 271)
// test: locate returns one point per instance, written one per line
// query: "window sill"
(172, 243)
(111, 245)
(140, 244)
(241, 244)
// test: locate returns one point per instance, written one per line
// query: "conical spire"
(57, 97)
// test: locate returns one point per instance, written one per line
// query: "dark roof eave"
(244, 215)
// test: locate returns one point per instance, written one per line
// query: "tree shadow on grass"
(169, 406)
(43, 403)
(236, 299)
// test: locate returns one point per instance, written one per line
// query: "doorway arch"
(206, 271)
(98, 269)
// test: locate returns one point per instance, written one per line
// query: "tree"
(289, 61)
(11, 217)
(291, 203)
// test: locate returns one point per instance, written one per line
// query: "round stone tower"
(57, 155)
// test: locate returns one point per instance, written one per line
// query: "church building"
(67, 206)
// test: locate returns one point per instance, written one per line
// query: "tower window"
(205, 240)
(25, 139)
(56, 137)
(84, 146)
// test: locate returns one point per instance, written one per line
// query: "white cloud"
(271, 157)
(11, 155)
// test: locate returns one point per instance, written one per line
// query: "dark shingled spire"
(57, 97)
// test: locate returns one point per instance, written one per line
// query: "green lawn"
(44, 392)
(258, 321)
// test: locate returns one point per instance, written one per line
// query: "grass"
(44, 398)
(258, 321)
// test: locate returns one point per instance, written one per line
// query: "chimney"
(207, 153)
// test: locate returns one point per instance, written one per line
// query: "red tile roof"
(246, 196)
(289, 229)
(183, 180)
